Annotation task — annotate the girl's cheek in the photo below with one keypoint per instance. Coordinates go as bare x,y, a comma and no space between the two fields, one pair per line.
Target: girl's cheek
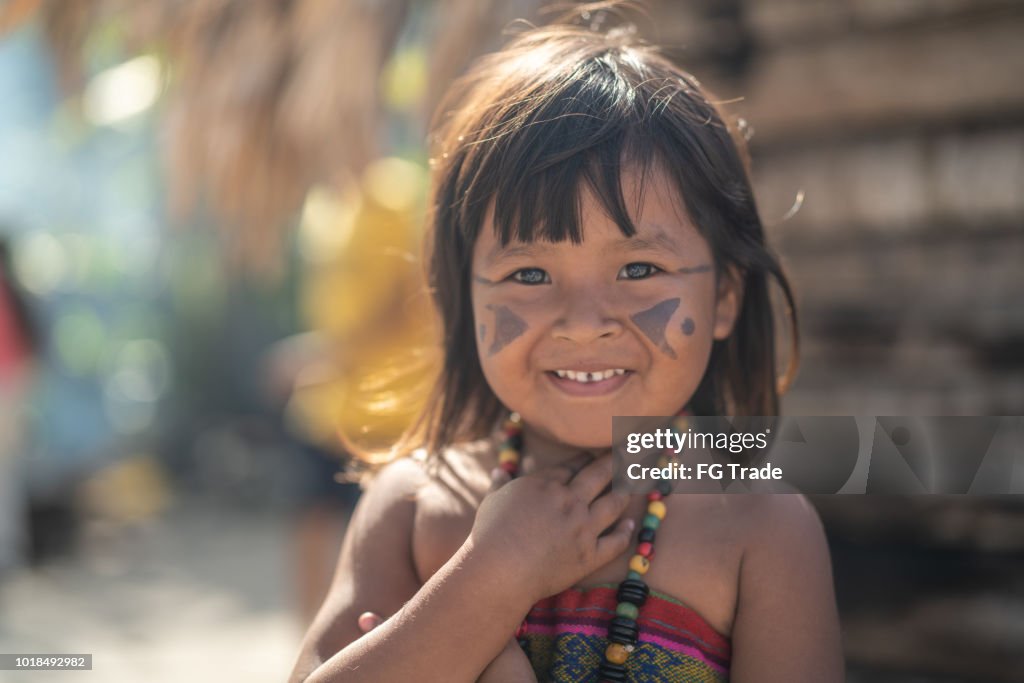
502,321
670,324
654,323
507,325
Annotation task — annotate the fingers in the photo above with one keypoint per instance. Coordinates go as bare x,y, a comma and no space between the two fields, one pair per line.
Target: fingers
614,543
579,461
606,509
368,621
592,479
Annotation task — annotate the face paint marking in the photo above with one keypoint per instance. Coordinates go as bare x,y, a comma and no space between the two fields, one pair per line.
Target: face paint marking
483,332
691,270
654,322
507,328
483,280
688,326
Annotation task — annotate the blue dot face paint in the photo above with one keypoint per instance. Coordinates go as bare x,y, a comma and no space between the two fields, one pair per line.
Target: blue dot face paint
691,270
483,332
653,322
507,328
689,326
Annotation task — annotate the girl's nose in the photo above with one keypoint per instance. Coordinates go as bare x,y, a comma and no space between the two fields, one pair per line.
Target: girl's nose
586,318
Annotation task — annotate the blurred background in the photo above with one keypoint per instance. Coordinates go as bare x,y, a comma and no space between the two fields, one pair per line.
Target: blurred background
209,243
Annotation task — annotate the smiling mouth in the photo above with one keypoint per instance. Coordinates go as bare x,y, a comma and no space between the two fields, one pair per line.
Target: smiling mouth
589,383
587,377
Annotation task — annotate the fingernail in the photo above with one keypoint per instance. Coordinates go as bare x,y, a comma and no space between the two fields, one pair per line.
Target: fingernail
369,621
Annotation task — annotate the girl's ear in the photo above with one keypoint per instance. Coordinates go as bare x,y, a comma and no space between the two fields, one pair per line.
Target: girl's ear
728,302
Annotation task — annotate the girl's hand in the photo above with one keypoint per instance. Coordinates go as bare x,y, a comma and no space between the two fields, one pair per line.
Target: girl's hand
542,532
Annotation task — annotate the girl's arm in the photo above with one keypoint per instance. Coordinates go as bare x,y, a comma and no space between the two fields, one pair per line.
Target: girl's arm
510,666
379,536
533,538
787,625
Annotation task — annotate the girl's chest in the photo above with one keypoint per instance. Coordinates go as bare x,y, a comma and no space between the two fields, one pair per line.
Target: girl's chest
697,551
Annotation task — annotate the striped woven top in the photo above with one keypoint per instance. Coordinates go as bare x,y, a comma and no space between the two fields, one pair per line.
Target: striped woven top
567,636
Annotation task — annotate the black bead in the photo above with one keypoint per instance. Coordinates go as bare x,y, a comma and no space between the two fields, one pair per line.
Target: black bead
612,672
633,591
664,487
516,441
646,536
623,631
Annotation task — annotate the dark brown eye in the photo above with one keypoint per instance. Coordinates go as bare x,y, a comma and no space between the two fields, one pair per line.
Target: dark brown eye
531,276
637,271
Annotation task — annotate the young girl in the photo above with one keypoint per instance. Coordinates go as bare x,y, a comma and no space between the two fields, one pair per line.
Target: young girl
596,251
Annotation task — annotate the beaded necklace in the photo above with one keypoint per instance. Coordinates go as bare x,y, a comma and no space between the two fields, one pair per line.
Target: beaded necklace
623,631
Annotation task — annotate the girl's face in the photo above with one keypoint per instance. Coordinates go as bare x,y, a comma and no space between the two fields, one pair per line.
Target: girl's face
570,335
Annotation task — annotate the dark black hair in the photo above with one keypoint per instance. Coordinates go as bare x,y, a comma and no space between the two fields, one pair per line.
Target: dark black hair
560,108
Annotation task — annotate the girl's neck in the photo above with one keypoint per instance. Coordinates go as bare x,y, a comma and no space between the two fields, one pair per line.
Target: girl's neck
541,451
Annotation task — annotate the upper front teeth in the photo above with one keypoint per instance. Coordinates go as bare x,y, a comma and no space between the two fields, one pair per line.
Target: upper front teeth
585,377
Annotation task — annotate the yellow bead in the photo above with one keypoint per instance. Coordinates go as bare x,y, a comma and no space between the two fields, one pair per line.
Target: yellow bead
639,564
656,508
617,654
508,455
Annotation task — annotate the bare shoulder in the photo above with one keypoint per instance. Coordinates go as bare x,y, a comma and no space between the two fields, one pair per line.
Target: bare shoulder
456,482
388,505
785,550
781,523
375,570
786,616
381,530
397,483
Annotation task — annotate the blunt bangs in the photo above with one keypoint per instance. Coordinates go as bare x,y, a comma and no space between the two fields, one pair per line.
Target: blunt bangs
596,105
592,112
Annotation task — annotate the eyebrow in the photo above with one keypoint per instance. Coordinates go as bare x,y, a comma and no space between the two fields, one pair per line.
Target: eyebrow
512,251
659,240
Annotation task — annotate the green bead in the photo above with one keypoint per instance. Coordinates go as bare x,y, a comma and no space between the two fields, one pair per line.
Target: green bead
634,575
628,610
650,522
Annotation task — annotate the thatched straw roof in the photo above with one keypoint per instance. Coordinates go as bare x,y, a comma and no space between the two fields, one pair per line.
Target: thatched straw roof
266,98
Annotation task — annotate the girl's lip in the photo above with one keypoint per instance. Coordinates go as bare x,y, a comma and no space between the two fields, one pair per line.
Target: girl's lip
598,388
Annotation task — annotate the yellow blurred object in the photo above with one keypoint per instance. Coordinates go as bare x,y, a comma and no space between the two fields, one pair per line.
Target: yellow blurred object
364,294
127,491
404,78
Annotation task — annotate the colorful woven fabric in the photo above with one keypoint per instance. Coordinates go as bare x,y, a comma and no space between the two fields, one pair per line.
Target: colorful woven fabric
566,636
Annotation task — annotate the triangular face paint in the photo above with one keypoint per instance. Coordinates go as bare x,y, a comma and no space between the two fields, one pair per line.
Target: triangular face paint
654,322
507,328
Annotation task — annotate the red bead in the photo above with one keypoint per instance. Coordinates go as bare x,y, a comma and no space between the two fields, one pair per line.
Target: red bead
645,549
510,467
654,495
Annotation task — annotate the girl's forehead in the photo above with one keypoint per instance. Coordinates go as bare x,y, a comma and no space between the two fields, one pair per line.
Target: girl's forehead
656,233
657,214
